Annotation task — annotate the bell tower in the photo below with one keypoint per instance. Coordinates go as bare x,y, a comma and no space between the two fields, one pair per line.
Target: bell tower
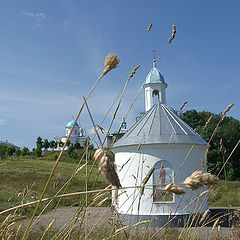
155,88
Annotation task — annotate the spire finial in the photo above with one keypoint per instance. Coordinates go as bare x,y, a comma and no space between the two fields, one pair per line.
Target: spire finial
154,57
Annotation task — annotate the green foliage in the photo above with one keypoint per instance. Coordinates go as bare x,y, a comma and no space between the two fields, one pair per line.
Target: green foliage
77,145
46,144
52,144
228,131
18,153
225,194
72,152
25,151
60,143
38,152
10,150
39,142
55,156
3,151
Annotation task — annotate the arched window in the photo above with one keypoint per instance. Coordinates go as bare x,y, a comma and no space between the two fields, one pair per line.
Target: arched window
163,174
155,95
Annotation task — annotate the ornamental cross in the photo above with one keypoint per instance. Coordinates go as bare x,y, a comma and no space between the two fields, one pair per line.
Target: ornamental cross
154,51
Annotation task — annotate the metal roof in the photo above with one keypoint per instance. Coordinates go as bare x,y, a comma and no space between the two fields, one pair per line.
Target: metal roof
70,124
159,125
154,76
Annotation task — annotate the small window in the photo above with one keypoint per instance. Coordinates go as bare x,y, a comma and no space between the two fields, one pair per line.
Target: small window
75,131
162,175
155,96
155,93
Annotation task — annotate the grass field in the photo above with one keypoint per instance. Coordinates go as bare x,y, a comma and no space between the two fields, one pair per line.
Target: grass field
26,176
22,180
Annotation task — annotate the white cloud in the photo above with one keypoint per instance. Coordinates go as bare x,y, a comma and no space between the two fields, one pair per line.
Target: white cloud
38,17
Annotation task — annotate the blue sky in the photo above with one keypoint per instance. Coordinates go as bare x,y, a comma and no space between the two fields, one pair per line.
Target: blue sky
51,53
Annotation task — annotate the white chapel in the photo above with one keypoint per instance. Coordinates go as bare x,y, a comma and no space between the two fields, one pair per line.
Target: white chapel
162,141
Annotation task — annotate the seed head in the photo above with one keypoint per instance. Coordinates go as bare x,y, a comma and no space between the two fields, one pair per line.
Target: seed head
173,188
173,34
134,71
107,167
183,106
111,62
208,121
149,27
226,110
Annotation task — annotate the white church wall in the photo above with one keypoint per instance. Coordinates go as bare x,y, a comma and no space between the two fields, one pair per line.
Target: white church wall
133,166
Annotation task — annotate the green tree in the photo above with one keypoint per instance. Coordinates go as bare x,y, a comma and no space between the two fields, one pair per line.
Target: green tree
68,143
70,150
52,144
39,143
46,144
56,144
3,151
77,145
18,152
10,150
38,152
60,143
228,131
25,151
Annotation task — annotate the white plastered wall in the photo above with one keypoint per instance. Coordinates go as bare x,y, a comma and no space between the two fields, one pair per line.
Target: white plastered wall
136,164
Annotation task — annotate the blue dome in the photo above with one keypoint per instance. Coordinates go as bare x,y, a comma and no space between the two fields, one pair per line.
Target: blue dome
70,124
154,76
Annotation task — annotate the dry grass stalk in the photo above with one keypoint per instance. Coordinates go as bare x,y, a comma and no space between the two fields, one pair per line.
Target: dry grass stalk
77,170
149,27
226,110
145,180
111,62
126,227
173,188
183,106
173,34
215,224
134,71
209,179
107,167
208,121
193,182
140,223
204,215
221,144
139,146
199,179
203,193
102,201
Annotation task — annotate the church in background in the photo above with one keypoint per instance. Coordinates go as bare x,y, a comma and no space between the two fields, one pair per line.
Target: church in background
78,135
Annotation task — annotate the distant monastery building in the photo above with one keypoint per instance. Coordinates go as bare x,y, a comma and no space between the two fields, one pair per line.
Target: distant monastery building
78,135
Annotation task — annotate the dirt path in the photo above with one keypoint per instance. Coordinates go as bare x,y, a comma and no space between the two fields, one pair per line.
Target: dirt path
100,218
97,217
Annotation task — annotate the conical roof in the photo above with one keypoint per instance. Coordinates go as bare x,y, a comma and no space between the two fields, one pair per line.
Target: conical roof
154,76
159,125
